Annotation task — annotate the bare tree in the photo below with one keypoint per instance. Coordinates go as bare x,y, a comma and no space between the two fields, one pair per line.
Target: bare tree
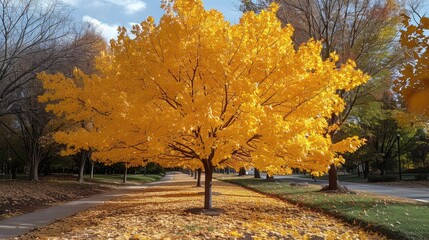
35,36
31,34
34,123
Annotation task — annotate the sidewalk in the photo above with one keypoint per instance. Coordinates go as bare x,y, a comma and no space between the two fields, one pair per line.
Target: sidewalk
22,224
418,194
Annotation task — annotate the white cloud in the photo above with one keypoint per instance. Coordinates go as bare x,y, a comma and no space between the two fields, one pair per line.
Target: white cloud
109,31
130,6
71,2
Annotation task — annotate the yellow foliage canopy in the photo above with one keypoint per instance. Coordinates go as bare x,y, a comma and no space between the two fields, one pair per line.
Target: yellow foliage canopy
414,82
195,90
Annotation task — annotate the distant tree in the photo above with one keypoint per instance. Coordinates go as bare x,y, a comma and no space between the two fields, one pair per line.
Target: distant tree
419,149
362,30
379,125
11,154
36,35
31,34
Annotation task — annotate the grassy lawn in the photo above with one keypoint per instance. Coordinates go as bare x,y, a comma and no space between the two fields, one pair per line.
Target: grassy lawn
399,219
118,178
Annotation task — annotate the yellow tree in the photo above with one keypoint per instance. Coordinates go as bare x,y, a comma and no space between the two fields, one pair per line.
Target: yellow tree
195,90
414,82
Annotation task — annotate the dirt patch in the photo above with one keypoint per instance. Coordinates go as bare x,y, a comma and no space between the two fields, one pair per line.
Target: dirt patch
208,212
341,189
213,193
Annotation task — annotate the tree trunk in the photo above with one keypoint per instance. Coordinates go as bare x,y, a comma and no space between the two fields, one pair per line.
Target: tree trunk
125,173
358,168
192,173
199,177
92,170
13,172
228,170
46,168
83,155
269,177
13,169
144,172
196,173
366,170
257,174
242,172
208,181
34,170
333,178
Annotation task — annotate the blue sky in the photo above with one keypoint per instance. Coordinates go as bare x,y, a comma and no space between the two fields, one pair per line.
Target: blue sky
107,15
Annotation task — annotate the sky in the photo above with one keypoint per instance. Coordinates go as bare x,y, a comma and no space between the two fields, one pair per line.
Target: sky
107,15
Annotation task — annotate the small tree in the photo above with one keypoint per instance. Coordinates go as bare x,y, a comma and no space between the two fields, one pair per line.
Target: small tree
380,123
420,149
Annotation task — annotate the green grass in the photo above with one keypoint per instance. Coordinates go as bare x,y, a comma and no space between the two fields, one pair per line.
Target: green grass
393,217
118,178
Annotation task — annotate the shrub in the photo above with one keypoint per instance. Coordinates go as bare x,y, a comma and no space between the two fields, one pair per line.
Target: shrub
421,177
153,168
379,178
417,170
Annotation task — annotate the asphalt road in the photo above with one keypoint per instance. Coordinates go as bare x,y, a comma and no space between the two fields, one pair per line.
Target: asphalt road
419,194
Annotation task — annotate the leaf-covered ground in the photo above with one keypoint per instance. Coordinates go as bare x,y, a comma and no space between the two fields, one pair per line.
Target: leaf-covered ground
160,212
22,196
398,218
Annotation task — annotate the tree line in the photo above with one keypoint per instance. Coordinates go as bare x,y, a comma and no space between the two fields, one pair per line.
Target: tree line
35,37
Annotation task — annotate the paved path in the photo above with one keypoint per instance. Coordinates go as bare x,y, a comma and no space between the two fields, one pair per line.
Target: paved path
419,194
22,224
